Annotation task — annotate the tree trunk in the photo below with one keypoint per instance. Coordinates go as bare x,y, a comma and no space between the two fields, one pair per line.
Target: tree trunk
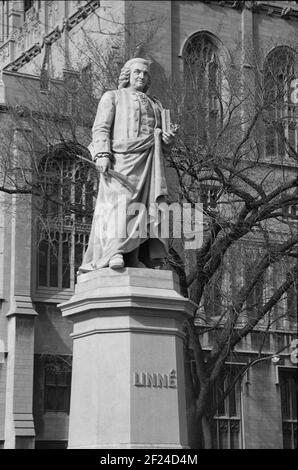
202,403
206,430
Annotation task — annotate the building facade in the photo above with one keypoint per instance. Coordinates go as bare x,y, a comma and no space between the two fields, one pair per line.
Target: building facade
42,42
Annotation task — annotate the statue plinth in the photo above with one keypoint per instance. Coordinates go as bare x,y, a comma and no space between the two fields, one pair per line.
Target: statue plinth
128,386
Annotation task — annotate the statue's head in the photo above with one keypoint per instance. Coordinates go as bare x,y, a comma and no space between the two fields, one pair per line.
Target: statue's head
135,73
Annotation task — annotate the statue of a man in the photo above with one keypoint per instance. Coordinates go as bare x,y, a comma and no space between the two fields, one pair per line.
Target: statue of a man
127,138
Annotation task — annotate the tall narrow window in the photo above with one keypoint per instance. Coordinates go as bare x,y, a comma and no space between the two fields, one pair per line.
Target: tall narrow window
4,18
70,188
57,386
202,88
292,301
227,423
1,21
213,296
86,77
288,396
281,136
255,298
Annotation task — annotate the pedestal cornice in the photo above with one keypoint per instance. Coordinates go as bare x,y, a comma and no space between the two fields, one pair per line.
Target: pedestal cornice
155,292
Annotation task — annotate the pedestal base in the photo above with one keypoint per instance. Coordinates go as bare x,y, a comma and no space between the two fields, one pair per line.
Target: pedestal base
128,388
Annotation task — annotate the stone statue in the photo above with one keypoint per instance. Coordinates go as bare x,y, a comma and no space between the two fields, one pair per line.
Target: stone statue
127,148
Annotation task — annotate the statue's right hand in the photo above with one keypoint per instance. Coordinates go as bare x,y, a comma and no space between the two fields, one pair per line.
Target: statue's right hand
103,164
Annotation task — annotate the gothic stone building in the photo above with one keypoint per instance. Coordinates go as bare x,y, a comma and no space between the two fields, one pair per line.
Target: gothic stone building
41,39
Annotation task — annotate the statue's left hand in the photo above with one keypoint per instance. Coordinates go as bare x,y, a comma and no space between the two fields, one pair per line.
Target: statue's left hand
168,137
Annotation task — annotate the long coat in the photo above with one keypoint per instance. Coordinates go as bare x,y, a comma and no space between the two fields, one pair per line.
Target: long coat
124,220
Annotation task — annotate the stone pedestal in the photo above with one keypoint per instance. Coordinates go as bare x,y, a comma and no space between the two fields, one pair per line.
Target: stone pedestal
128,387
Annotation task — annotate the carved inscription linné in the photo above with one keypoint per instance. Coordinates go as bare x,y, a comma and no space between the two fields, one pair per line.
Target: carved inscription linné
155,380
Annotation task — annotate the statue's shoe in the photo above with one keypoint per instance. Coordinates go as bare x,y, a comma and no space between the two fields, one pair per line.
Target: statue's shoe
141,265
116,262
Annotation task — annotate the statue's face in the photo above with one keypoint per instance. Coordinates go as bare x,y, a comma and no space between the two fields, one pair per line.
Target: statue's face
139,76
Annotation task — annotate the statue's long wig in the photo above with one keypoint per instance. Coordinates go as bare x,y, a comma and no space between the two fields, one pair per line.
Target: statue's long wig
124,77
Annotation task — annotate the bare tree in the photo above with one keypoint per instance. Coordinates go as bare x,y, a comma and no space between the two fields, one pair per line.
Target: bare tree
232,127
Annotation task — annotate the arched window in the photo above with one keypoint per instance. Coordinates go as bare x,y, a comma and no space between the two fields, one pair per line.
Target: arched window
69,187
202,87
281,118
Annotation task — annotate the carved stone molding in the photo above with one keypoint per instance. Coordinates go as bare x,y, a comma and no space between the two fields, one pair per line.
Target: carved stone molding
288,12
32,28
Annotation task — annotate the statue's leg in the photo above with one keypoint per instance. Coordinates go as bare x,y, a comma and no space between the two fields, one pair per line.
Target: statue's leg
132,258
144,255
157,263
